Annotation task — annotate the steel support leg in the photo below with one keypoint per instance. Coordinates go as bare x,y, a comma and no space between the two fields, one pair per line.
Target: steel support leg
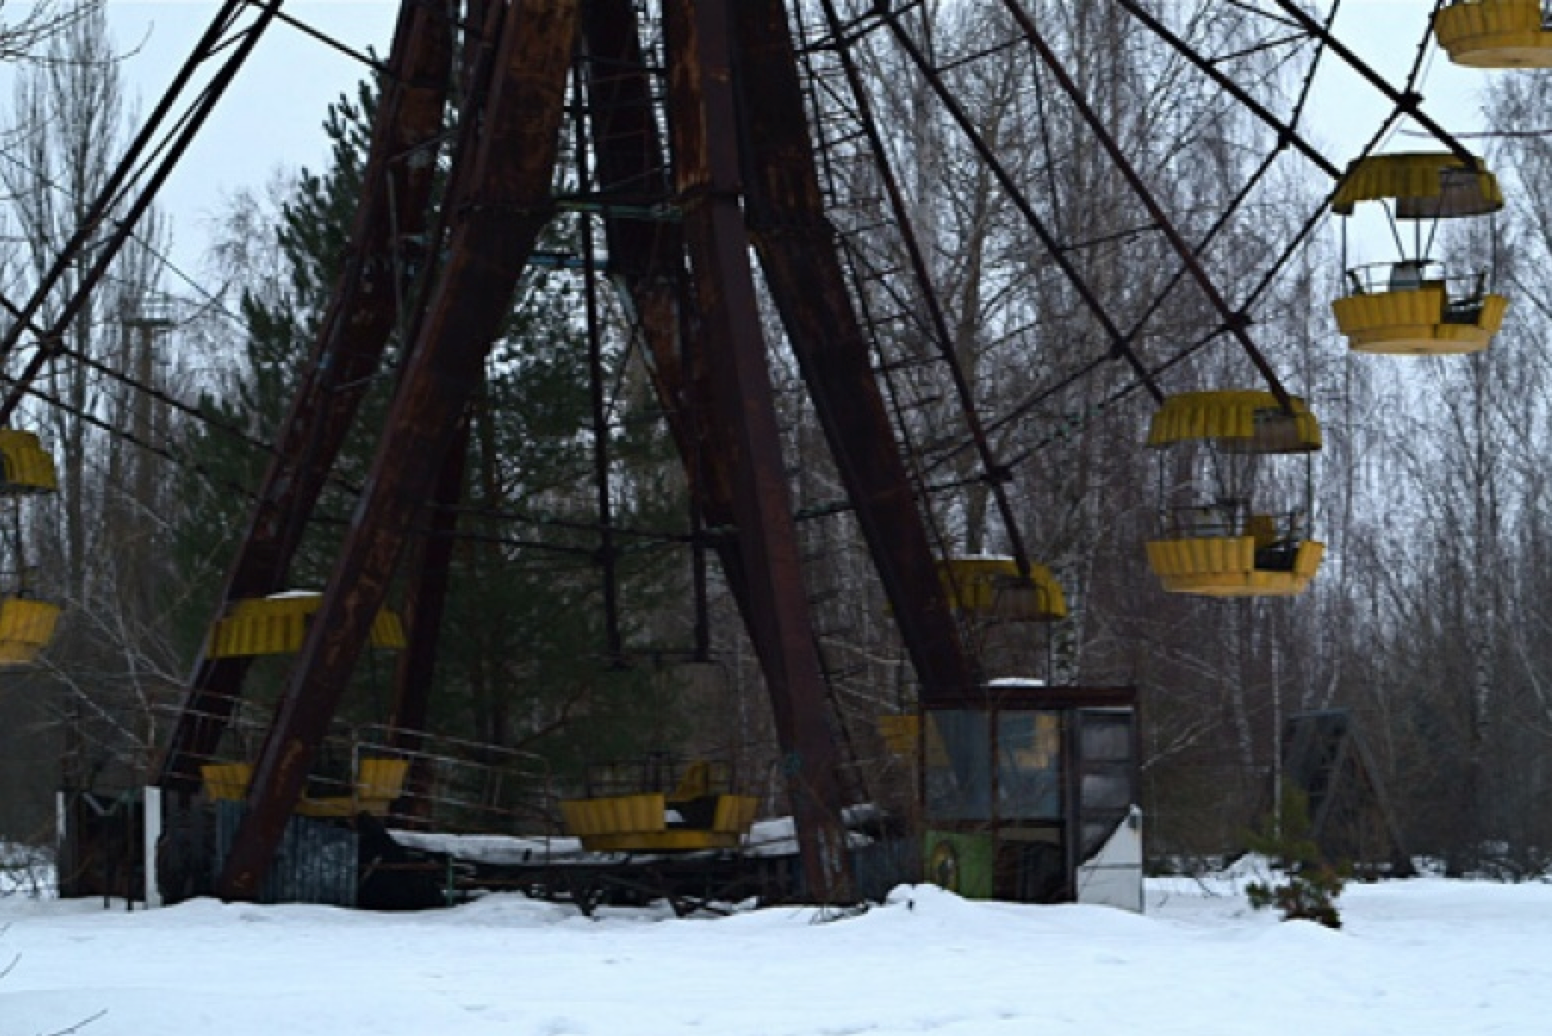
798,253
397,181
705,146
500,200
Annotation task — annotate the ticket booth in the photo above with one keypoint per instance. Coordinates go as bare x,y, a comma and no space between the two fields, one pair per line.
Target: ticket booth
1032,795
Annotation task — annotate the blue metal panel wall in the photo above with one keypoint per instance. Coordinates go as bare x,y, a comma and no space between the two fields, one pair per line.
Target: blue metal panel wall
315,862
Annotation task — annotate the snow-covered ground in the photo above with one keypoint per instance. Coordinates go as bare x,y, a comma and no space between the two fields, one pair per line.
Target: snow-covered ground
1419,957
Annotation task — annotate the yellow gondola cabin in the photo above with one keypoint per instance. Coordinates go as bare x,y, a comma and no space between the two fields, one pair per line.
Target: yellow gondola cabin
1232,523
26,624
277,625
1496,33
1415,304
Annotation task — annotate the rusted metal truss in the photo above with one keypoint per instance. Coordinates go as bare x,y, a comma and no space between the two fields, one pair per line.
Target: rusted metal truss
386,244
737,171
498,201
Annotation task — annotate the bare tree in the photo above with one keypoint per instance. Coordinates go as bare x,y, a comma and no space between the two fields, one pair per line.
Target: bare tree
25,38
92,542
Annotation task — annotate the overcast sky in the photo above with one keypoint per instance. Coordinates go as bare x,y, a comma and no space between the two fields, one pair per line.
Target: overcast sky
271,118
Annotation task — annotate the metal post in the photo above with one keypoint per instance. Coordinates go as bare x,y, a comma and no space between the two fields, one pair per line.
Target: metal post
500,201
355,329
705,147
151,820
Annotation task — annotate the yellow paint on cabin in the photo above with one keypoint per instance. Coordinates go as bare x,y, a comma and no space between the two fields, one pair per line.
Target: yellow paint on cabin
277,625
1494,34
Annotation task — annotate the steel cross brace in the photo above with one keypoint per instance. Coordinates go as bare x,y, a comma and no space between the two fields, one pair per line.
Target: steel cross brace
1234,321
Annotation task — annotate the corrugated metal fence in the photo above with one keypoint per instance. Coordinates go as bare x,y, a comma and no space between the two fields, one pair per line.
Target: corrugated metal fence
315,863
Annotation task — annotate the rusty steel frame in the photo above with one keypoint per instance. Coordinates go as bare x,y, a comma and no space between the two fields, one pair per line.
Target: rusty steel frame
798,253
690,283
742,175
397,182
499,200
704,135
994,472
646,261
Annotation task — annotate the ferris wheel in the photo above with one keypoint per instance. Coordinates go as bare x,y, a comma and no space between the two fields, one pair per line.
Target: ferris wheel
982,229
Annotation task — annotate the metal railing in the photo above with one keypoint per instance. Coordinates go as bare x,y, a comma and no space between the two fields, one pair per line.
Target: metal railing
1460,289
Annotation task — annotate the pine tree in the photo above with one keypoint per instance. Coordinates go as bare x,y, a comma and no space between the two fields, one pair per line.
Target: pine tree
1310,885
525,660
